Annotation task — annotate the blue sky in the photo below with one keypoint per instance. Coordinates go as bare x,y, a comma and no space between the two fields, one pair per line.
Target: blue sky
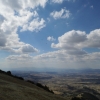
49,34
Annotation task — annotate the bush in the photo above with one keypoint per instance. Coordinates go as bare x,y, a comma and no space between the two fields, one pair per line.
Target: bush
30,81
39,85
44,87
18,77
2,71
9,73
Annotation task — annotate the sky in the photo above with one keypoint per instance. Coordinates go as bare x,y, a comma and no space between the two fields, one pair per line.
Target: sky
49,34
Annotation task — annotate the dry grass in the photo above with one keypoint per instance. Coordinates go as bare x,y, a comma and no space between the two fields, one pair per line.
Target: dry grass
15,89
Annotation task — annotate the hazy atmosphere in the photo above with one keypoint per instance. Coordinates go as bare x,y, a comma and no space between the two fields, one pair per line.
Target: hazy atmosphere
49,34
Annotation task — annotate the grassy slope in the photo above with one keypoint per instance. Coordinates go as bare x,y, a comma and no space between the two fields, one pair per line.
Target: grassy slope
15,89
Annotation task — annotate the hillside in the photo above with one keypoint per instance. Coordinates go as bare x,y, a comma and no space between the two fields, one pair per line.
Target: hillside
15,89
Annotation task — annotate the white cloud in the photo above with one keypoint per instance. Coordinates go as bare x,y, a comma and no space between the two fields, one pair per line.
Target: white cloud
78,39
57,59
22,57
63,13
93,39
69,55
35,25
15,14
57,1
51,38
21,4
28,49
19,61
69,59
23,49
70,40
61,1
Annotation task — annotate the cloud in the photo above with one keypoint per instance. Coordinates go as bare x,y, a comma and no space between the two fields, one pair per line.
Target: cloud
57,1
51,38
93,39
15,14
27,20
70,52
35,25
22,4
70,40
57,59
61,56
28,49
22,57
24,49
78,40
63,13
61,1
